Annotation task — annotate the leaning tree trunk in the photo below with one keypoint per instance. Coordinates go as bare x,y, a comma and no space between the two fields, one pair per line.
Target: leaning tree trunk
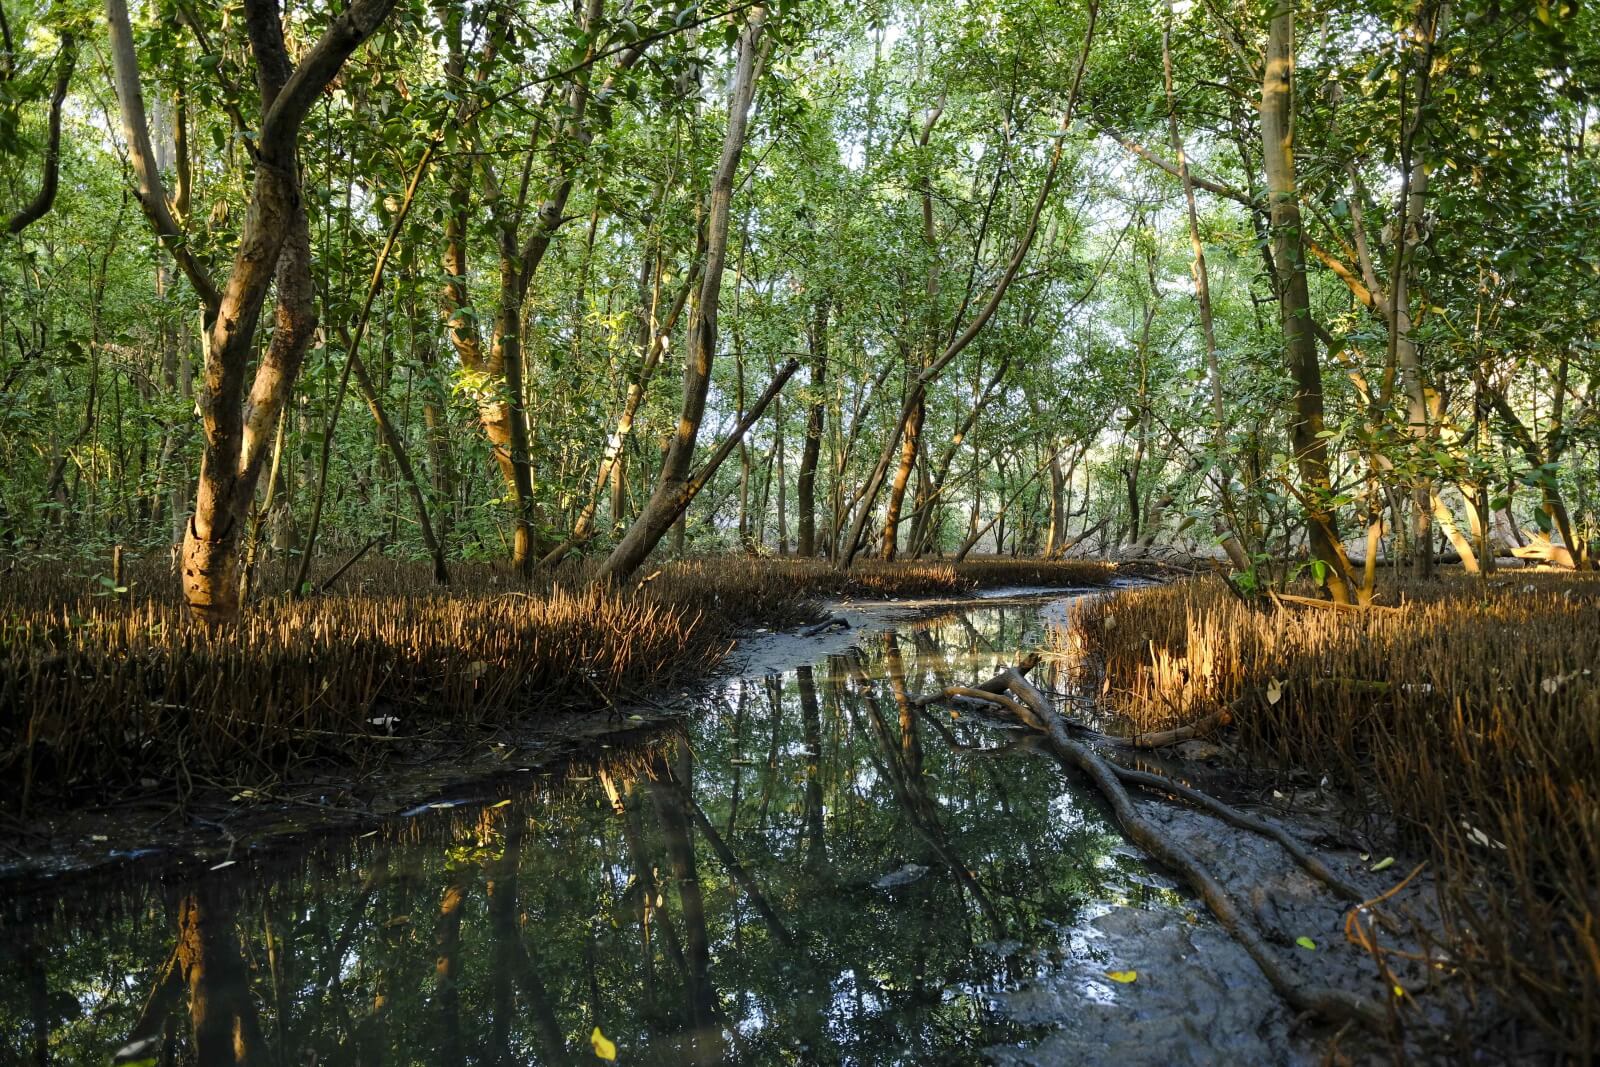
910,441
674,485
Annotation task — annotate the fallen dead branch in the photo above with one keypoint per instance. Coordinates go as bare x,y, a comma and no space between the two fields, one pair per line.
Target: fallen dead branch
1333,1004
1178,734
997,686
1244,821
1290,600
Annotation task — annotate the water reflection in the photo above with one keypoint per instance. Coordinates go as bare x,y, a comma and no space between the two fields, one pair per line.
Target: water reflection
819,869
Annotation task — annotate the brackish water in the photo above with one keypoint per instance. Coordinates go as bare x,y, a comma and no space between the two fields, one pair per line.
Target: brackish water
813,871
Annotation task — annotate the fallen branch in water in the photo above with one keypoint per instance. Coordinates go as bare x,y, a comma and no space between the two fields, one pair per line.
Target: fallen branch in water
1329,1003
983,690
995,688
830,623
998,699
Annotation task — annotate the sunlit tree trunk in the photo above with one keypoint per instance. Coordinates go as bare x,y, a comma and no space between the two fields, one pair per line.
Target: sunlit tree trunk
274,241
222,1010
447,971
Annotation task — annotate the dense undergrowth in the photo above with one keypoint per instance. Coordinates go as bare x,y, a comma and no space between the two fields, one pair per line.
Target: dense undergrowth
1469,713
105,696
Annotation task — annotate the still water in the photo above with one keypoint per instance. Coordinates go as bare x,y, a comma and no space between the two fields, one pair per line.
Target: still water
814,870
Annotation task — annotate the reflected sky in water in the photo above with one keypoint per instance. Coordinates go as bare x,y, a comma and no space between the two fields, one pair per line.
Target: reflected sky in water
815,870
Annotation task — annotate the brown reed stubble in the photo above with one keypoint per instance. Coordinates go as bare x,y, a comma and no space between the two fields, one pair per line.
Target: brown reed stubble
1470,716
104,697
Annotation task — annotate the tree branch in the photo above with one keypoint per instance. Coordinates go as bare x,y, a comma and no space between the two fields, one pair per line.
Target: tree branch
41,203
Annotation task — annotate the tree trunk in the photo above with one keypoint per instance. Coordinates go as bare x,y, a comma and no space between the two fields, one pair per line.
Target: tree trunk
1294,298
816,413
910,437
1056,535
674,487
275,239
222,1011
508,429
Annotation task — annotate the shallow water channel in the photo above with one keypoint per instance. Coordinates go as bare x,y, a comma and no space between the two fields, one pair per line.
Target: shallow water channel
813,871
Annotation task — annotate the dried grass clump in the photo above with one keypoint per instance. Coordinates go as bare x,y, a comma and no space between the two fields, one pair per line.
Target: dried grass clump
1471,711
105,696
102,699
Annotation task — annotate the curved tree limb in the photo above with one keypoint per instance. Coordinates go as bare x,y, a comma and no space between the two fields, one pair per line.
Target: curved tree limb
152,196
36,208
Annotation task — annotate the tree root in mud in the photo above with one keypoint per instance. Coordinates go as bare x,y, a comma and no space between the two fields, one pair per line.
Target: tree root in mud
1012,692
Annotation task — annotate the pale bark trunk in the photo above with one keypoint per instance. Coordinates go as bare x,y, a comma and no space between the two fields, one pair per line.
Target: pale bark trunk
136,132
674,486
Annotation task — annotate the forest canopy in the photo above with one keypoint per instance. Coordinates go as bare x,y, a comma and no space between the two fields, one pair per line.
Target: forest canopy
1294,285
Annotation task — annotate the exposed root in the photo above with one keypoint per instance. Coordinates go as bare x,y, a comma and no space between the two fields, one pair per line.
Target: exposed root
1244,821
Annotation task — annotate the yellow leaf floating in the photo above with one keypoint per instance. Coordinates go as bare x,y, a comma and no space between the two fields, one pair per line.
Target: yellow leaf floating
1306,942
604,1047
1123,976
